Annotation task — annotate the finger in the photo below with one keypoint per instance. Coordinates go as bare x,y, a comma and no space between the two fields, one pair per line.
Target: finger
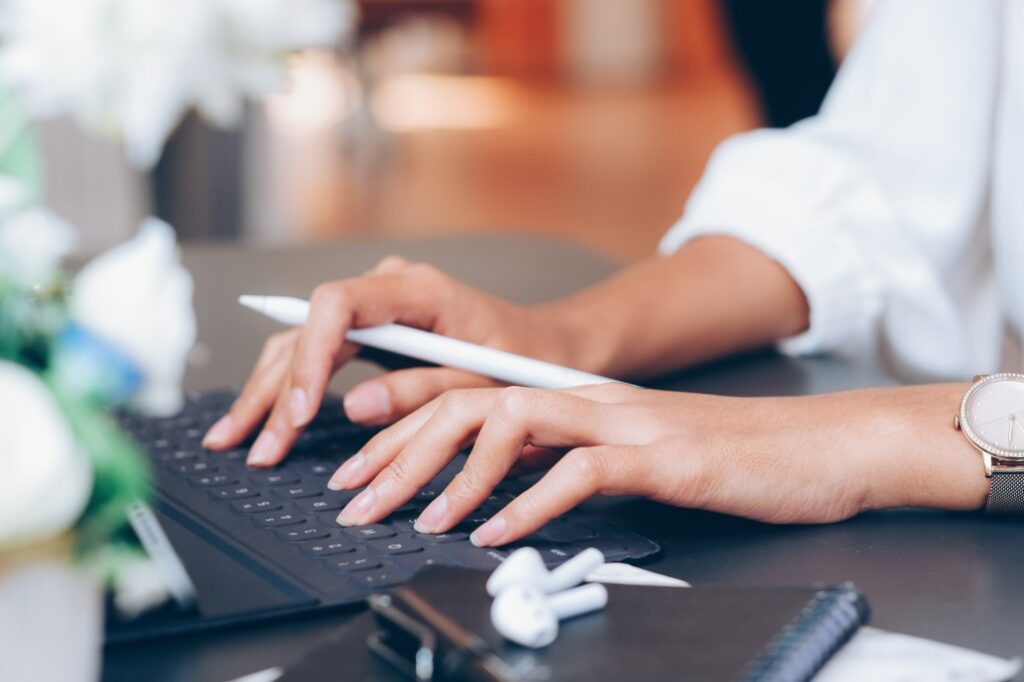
380,450
582,473
258,395
534,459
278,434
413,296
456,418
520,416
390,264
394,395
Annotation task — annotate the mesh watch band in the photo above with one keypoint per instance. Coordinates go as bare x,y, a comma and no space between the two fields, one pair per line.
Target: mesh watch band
1005,493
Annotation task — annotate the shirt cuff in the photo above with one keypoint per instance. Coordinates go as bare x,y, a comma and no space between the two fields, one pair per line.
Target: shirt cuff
843,291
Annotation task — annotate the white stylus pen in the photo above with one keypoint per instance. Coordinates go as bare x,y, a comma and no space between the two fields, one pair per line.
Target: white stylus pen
440,350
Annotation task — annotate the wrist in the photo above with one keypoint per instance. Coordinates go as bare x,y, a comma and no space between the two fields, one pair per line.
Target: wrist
923,460
572,337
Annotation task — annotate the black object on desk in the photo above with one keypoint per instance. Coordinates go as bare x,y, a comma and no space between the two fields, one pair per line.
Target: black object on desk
645,633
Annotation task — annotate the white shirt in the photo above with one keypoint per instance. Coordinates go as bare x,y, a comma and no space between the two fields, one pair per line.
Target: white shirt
899,208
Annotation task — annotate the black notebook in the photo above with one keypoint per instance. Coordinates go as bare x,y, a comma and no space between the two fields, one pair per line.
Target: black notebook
645,633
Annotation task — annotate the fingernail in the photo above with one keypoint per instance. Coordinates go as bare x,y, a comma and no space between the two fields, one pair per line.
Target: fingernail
218,433
489,533
298,407
432,516
357,508
262,450
368,403
344,476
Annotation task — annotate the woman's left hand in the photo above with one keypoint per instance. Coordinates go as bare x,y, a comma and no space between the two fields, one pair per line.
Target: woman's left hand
808,459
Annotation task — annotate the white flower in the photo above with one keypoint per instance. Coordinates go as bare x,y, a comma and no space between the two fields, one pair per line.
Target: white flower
32,241
133,68
138,297
39,460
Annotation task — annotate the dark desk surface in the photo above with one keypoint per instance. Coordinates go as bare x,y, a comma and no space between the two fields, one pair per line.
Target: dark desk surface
950,577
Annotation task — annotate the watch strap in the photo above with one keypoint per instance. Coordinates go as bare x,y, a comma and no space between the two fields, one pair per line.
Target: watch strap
1005,493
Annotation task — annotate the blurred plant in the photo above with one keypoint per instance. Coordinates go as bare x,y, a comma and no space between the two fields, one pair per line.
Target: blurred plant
114,336
131,69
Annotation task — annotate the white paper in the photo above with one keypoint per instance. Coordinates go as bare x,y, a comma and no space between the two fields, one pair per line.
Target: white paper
882,656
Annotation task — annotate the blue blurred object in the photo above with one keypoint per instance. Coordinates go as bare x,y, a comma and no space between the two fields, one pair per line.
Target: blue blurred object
87,365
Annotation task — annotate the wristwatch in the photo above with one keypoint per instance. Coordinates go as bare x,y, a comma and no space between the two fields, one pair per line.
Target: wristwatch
992,418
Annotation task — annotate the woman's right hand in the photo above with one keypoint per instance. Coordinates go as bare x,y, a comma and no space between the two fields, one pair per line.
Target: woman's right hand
291,375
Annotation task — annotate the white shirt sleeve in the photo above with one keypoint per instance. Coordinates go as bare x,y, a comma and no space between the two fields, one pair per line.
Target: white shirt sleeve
869,204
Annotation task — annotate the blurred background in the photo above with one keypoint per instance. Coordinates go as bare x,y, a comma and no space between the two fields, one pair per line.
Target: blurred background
584,120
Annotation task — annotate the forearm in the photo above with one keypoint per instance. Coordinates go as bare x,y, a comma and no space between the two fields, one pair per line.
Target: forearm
714,296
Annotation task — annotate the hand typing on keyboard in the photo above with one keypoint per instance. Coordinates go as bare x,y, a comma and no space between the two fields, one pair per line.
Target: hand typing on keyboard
782,460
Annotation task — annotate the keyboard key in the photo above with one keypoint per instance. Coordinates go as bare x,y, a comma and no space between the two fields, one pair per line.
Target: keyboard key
319,505
327,548
351,563
257,505
191,467
404,523
395,546
234,492
379,579
177,455
275,520
305,533
371,532
321,469
204,480
295,492
275,478
444,538
476,557
416,561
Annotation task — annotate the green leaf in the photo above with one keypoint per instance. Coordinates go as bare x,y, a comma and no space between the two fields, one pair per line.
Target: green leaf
121,474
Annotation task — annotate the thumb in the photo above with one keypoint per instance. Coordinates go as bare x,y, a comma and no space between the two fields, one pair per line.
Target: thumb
390,397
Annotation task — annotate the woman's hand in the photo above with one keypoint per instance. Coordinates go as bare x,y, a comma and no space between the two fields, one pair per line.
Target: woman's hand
782,460
652,317
292,373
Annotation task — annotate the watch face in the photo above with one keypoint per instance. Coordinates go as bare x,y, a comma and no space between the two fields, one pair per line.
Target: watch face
992,415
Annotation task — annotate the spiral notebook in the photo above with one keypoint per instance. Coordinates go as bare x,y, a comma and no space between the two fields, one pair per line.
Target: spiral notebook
646,633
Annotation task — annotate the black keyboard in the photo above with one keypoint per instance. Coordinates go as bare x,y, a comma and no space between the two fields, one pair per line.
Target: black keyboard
285,516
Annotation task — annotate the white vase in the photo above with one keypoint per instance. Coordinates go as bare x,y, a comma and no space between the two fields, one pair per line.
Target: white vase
51,618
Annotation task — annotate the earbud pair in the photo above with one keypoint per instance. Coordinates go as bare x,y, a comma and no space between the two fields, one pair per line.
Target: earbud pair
530,600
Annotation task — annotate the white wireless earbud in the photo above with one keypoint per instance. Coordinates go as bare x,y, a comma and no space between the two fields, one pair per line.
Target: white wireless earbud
574,571
525,566
525,615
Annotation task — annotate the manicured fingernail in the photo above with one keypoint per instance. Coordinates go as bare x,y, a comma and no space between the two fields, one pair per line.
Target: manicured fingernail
368,403
344,476
489,533
262,450
358,508
298,407
432,516
218,433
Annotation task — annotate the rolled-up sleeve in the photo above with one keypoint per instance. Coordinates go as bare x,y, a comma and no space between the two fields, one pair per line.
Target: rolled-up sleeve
868,204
